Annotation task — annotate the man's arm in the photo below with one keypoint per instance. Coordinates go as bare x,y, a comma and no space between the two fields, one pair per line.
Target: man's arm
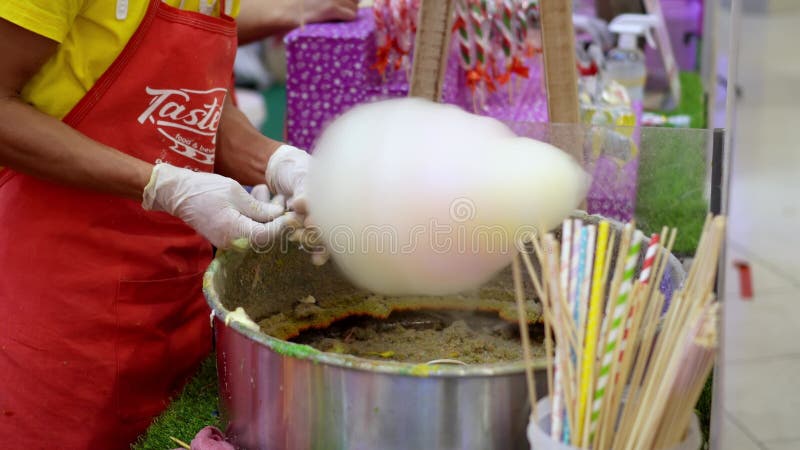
242,151
258,18
37,144
251,158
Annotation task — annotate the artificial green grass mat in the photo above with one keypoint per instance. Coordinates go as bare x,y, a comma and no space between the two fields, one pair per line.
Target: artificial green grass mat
693,100
195,408
703,409
671,185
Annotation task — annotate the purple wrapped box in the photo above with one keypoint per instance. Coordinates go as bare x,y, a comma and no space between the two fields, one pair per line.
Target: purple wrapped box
613,190
328,71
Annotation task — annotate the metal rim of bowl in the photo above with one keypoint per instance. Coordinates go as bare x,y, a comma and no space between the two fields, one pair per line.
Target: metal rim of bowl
302,351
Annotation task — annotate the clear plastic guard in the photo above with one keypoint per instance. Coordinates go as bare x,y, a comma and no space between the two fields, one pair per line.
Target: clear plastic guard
655,176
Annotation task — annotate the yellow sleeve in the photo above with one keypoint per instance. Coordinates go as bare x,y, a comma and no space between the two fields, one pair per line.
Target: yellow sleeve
49,18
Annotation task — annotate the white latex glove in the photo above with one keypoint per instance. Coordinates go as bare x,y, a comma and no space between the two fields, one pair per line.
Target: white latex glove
261,193
306,235
286,176
217,207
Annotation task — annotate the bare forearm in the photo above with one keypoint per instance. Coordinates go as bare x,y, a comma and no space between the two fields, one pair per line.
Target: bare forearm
259,19
242,151
34,143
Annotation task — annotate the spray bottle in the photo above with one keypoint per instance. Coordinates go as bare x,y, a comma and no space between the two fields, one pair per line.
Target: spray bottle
625,63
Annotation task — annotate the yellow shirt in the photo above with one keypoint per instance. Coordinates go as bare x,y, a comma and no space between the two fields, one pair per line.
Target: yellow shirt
90,37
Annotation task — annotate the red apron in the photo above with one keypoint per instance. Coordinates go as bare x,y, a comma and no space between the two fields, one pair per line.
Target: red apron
101,312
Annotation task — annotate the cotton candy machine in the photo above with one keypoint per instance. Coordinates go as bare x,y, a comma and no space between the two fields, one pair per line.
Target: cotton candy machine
278,393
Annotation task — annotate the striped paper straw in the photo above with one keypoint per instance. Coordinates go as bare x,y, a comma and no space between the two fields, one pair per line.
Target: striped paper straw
649,259
615,326
577,263
594,313
576,269
644,277
556,425
586,280
566,246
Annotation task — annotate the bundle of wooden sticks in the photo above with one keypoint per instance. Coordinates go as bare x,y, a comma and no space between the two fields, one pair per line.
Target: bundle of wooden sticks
622,373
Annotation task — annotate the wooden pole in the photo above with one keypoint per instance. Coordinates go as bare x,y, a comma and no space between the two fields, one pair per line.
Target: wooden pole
431,49
558,45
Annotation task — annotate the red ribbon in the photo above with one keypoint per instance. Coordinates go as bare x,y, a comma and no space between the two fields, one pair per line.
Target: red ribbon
504,78
478,74
517,67
473,78
382,57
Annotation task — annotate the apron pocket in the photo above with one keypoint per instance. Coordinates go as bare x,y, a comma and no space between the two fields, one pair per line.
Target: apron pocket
162,334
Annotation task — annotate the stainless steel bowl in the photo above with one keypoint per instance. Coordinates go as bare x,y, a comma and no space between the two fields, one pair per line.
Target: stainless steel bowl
278,395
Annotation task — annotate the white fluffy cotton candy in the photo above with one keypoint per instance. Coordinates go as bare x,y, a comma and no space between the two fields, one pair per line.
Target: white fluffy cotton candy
419,198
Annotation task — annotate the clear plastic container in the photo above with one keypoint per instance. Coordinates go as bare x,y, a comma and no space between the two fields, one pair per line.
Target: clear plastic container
541,440
627,67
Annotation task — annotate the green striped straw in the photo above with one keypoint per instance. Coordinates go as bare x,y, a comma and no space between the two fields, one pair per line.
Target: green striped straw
615,328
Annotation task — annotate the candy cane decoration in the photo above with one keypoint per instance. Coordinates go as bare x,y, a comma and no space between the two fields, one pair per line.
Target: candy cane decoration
382,44
480,26
505,32
466,49
521,23
406,35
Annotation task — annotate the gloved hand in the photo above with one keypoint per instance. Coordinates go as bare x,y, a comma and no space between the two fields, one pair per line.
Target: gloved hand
217,207
286,176
307,235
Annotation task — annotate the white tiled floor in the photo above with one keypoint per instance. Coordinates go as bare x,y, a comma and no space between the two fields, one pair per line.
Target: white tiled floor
735,438
761,371
759,398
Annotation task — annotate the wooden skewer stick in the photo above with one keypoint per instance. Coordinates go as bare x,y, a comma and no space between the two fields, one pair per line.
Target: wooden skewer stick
180,442
687,386
523,331
570,387
564,331
675,343
638,303
658,389
655,302
548,318
566,319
